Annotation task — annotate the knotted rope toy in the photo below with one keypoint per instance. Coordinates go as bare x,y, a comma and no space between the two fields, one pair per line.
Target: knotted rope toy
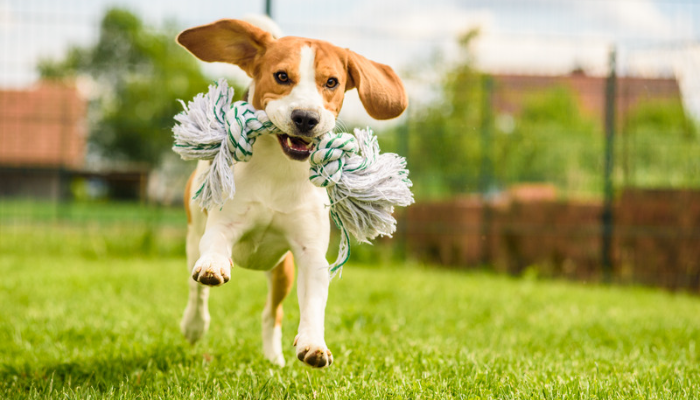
363,185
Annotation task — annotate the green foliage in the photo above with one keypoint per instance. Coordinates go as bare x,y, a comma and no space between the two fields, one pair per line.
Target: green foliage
659,146
451,142
95,229
138,75
664,116
551,141
454,139
444,148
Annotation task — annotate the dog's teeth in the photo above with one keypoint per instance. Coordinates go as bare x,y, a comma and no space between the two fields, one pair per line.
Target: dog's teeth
289,142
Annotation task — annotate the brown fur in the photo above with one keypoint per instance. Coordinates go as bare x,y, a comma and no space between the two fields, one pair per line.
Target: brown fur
380,90
226,40
186,199
282,280
261,56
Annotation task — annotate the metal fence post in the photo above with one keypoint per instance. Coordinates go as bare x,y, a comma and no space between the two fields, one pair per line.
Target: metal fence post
486,172
268,8
607,216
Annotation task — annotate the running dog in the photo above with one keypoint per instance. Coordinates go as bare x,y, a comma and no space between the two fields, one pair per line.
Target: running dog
278,217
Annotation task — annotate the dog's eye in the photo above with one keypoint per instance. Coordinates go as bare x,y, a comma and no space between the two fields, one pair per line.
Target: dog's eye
281,77
331,83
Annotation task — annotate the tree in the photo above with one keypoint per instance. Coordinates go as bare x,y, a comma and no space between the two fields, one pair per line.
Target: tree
660,145
444,138
552,141
549,140
138,75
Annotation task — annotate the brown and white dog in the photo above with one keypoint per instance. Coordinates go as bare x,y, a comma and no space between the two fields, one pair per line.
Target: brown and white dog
278,216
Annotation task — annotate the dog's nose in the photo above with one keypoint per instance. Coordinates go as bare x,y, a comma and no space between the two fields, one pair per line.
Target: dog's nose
305,120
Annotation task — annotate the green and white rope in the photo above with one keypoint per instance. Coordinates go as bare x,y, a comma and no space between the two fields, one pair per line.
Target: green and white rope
363,185
211,128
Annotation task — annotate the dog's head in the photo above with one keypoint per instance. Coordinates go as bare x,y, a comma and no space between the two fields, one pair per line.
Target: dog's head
300,83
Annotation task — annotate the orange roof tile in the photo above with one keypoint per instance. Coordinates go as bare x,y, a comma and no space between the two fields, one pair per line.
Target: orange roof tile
43,127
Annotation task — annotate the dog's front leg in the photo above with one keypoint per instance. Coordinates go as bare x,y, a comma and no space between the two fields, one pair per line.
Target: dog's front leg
195,320
312,289
214,265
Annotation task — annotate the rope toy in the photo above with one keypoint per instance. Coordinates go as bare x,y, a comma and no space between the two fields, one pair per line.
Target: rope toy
363,185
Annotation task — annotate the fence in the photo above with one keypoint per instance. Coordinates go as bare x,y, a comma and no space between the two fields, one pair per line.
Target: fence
653,242
591,173
620,163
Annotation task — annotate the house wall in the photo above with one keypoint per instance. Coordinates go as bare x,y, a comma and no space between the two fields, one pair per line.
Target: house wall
42,127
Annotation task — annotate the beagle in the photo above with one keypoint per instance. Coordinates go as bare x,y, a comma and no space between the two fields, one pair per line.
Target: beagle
278,217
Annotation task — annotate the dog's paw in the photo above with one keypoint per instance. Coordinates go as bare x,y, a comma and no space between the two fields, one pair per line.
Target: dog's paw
315,355
275,358
272,342
194,324
212,270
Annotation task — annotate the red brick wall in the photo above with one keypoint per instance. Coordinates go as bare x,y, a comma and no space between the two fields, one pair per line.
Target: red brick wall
42,127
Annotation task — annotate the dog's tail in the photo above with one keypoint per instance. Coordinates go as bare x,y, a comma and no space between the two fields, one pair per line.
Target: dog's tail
265,23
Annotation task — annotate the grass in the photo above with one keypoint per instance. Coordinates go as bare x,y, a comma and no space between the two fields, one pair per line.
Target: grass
21,211
92,312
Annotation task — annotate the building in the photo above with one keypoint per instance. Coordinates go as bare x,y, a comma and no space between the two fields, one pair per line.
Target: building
509,90
43,142
42,139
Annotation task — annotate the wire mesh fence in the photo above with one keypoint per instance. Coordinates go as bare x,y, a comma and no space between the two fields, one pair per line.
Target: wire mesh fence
508,160
588,177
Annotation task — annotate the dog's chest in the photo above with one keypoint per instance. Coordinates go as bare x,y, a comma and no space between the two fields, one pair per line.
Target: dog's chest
272,183
273,199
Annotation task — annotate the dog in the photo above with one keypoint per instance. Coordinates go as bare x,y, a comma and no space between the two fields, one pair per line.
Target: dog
277,216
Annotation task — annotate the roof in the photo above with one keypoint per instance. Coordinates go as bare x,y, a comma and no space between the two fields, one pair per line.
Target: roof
44,126
589,90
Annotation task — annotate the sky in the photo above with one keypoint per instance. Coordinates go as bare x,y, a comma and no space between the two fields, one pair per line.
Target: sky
652,37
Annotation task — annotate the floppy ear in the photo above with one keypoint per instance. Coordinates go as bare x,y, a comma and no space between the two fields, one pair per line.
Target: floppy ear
227,40
381,91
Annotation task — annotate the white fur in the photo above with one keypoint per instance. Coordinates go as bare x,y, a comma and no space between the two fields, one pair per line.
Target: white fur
271,333
195,320
276,209
304,96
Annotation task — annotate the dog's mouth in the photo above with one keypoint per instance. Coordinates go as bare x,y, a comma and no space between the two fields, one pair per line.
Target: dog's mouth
296,148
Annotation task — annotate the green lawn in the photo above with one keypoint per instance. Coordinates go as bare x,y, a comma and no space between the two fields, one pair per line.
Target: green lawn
88,320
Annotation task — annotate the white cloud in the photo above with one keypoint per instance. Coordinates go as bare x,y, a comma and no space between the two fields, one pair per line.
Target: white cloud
534,36
436,22
536,55
628,18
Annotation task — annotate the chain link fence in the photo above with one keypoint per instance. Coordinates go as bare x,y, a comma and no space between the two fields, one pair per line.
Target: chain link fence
590,172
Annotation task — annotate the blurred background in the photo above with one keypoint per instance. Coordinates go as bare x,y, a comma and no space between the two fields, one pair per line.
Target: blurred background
544,138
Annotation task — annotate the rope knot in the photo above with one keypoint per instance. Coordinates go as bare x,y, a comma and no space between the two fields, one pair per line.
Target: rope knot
244,125
329,158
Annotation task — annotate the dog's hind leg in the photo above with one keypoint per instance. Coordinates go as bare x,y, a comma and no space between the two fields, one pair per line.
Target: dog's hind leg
279,282
195,320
